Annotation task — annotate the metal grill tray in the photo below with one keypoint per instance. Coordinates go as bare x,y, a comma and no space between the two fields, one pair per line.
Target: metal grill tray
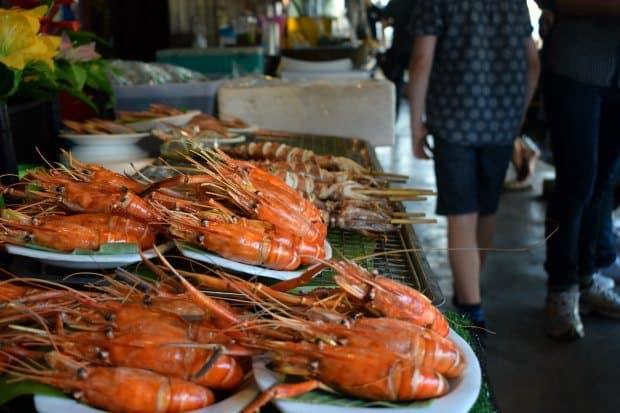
400,255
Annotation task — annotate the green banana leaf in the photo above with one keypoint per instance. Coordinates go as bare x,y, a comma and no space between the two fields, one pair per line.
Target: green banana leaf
120,248
10,390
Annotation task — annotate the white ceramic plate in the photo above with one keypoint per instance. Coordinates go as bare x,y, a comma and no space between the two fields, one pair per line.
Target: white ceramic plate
244,130
83,261
195,253
235,403
225,141
177,120
104,139
462,396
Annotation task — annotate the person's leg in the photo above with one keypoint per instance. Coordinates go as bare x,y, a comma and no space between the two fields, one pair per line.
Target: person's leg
464,258
455,170
485,231
491,172
606,254
598,211
573,114
594,296
394,71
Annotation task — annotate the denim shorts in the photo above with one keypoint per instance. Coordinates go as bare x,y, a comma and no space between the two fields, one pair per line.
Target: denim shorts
469,178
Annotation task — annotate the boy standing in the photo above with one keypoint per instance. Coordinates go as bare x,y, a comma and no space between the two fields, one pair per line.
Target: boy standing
473,73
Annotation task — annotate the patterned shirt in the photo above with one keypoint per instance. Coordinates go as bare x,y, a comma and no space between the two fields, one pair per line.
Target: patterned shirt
477,86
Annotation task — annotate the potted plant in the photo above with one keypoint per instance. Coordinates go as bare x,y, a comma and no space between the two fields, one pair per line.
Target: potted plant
83,85
26,66
44,76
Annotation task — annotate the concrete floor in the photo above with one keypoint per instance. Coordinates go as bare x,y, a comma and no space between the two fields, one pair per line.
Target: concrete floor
529,372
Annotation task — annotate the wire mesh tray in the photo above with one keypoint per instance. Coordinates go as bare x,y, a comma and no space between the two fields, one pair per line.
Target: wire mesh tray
397,254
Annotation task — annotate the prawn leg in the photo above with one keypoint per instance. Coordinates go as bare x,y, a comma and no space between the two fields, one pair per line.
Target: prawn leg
281,391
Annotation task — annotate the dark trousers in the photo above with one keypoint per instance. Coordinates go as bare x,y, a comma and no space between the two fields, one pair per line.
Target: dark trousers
584,122
606,247
394,66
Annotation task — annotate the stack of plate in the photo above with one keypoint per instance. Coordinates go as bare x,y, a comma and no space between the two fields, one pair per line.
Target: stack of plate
104,149
112,149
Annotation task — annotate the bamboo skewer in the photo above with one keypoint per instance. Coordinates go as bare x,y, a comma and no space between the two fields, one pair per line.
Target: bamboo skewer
407,198
390,179
412,221
381,173
408,214
394,191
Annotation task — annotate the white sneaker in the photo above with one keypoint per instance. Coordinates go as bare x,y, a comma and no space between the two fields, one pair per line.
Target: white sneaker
604,281
601,300
612,271
562,315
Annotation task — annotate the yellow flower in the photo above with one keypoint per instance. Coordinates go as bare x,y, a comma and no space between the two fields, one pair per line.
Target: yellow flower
20,42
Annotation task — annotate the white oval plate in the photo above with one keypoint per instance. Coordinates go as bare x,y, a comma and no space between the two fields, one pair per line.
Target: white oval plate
249,129
235,403
83,261
104,139
177,120
462,396
224,141
195,253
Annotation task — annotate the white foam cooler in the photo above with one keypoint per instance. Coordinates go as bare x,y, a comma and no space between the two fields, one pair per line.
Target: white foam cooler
338,107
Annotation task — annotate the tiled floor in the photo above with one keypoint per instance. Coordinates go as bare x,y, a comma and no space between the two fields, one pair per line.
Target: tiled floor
528,371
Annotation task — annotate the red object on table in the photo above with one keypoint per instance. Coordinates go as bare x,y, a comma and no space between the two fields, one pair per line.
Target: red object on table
72,108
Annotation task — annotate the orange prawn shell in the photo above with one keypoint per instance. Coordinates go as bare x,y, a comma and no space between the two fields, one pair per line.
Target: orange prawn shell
361,372
388,297
139,391
146,352
90,231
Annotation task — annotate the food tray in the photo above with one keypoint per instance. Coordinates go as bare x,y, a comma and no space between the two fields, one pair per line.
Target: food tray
409,267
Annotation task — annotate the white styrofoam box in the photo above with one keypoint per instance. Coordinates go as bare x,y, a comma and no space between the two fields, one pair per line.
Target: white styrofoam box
362,109
295,65
352,74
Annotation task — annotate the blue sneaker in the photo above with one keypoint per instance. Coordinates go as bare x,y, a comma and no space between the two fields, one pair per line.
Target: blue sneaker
473,311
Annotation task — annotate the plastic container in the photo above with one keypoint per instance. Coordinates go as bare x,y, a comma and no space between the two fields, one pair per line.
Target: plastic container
238,61
200,96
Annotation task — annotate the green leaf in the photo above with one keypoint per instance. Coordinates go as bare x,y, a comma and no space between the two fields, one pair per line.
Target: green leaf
335,399
81,37
120,248
24,168
9,81
9,391
73,74
97,78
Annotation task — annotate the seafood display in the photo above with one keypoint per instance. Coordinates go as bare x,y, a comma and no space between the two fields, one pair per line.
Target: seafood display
233,209
95,126
201,127
282,152
156,110
370,338
113,349
353,198
175,336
